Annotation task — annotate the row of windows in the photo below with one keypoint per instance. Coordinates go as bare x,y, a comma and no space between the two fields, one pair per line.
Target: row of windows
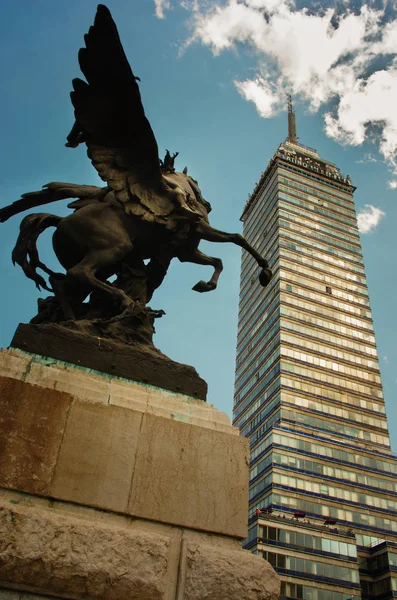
318,190
302,200
311,567
341,272
303,592
266,365
318,391
335,427
330,351
246,429
296,223
306,217
324,299
332,492
258,308
324,470
326,258
325,393
326,511
260,486
317,376
274,418
326,324
313,487
257,369
316,198
336,411
312,234
340,279
307,541
268,191
319,246
331,452
262,447
293,277
315,406
312,359
325,312
252,395
331,339
256,343
242,419
257,346
267,216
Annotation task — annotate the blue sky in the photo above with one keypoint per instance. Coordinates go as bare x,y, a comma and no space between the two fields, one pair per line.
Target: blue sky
214,77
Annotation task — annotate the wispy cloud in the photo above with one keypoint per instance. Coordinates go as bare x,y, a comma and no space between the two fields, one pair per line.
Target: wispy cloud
341,57
369,218
367,158
161,6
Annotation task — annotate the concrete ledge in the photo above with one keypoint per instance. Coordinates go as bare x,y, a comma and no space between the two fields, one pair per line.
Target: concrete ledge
77,553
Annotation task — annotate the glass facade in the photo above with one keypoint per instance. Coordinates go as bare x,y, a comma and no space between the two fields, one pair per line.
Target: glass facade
308,392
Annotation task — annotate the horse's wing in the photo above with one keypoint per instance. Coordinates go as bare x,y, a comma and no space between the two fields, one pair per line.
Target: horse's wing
108,108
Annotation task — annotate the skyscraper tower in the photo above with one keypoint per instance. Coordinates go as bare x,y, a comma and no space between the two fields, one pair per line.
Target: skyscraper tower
308,393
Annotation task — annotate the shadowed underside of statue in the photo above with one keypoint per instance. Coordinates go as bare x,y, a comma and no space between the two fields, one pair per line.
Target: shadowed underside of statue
129,230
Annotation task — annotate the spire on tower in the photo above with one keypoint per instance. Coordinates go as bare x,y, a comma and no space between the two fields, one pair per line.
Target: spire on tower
292,137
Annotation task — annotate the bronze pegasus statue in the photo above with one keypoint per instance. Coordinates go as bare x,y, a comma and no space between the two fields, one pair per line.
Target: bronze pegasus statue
131,229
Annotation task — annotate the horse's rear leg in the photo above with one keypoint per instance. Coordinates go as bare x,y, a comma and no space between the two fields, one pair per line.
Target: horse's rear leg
199,258
85,272
67,292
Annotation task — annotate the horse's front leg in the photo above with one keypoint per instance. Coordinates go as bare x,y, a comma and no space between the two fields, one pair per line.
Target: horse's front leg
198,258
208,233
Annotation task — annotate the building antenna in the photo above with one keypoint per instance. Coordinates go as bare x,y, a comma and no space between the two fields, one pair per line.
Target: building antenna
292,137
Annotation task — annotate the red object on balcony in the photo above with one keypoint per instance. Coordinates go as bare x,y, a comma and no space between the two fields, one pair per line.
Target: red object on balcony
299,514
329,522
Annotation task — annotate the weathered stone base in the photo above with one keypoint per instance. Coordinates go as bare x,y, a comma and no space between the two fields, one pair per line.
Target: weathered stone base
79,553
119,491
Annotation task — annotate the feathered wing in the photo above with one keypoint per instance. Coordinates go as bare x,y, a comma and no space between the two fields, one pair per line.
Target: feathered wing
119,138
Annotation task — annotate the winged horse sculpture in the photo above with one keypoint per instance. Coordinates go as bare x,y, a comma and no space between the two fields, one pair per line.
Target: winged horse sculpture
146,215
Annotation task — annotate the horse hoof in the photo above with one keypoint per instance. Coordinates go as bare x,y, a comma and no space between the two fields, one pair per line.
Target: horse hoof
203,286
265,277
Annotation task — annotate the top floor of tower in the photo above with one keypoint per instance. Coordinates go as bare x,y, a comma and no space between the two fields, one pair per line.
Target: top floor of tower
302,159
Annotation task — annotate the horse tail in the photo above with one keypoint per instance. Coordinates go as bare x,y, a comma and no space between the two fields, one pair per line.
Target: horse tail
25,253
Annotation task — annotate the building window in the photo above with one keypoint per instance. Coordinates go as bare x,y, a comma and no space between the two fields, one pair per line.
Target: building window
289,287
328,289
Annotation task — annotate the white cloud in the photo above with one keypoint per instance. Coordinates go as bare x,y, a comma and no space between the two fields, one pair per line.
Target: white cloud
392,184
161,6
262,93
369,218
346,59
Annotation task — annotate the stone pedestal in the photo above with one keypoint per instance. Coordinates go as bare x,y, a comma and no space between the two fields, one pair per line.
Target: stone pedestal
111,489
